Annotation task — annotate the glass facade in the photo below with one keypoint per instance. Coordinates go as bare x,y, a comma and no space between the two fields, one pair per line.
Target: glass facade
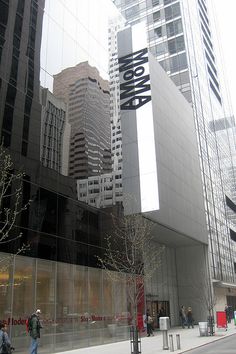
80,305
58,272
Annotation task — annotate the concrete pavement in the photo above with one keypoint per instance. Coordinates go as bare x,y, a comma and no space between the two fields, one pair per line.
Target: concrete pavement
189,339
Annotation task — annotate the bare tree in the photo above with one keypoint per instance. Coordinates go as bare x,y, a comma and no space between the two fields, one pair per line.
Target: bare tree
131,255
10,205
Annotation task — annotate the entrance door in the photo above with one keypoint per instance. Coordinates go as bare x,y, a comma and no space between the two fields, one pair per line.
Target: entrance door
158,309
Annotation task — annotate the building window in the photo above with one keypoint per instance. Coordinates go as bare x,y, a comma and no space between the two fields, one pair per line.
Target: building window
14,69
158,32
160,49
155,2
26,127
180,78
28,104
156,16
172,11
166,2
11,95
8,118
20,7
18,25
4,12
24,148
176,45
132,11
174,28
178,63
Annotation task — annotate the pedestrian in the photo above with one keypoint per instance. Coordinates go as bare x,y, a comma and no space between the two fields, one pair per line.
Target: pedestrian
189,316
161,313
149,323
34,331
228,313
5,343
182,315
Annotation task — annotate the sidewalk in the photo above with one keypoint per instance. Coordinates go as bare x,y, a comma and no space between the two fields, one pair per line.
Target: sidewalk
189,339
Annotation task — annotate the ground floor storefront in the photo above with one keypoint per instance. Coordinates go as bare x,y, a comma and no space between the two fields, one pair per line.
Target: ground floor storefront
81,306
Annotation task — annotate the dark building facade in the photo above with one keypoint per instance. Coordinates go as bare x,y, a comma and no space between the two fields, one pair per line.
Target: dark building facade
21,27
58,271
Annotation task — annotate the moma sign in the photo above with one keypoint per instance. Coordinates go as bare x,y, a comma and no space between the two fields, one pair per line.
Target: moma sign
139,174
135,85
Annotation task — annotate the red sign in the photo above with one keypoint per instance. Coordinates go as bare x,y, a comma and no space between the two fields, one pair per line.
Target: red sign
140,322
221,320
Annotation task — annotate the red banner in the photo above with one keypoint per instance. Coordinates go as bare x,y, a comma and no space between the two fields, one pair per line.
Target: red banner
221,320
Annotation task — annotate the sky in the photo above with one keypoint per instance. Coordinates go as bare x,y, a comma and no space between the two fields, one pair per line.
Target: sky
225,19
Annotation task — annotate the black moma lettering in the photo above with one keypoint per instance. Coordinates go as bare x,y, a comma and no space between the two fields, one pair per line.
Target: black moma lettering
134,83
132,60
134,87
129,74
135,102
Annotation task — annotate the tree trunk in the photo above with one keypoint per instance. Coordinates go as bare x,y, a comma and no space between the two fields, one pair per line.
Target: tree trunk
134,340
135,334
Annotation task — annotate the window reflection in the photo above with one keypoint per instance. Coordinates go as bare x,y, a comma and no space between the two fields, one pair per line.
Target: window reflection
59,271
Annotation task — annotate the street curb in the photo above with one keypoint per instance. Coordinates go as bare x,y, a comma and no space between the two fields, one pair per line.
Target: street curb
204,344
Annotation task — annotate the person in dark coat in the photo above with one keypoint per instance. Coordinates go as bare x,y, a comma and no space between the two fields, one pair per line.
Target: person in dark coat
189,316
182,315
149,323
4,339
34,331
228,313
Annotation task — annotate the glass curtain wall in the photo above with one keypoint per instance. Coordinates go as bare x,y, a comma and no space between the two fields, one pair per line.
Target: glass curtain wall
80,305
58,272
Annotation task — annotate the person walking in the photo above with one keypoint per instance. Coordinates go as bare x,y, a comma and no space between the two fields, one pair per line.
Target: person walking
228,313
2,339
149,323
34,331
189,317
161,313
5,343
182,315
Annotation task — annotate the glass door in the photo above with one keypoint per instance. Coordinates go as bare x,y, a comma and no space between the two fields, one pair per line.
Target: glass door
158,309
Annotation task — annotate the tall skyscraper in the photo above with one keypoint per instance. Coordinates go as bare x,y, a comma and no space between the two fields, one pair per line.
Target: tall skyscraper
21,28
115,24
180,37
87,96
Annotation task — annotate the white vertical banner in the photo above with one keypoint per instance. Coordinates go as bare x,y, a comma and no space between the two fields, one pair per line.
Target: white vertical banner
135,95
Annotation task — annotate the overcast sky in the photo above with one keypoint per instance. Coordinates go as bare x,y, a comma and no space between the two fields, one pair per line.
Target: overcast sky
225,18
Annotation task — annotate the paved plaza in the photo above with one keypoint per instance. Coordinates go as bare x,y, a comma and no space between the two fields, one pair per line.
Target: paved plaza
189,338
